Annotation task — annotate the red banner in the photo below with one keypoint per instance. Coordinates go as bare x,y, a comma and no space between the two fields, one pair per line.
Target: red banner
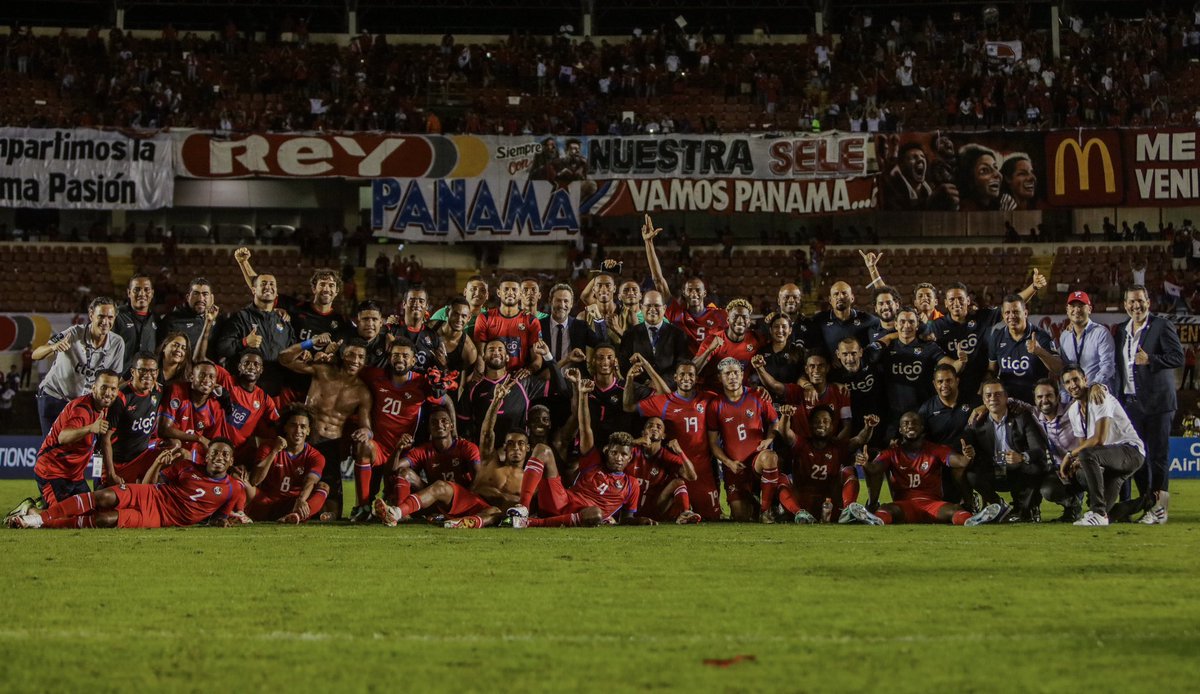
1163,167
1086,168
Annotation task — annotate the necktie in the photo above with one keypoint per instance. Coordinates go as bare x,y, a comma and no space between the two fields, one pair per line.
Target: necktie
653,338
558,343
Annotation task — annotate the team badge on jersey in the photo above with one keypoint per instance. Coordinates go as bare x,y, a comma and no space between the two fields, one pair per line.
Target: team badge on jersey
175,403
216,491
700,408
750,413
924,466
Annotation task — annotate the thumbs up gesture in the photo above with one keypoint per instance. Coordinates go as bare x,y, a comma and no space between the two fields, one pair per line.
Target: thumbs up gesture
1141,358
968,450
253,339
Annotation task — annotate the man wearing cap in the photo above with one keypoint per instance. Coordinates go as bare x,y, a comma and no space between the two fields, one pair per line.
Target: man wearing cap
1087,343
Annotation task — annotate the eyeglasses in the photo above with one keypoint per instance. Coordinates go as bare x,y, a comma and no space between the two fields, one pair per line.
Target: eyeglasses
151,370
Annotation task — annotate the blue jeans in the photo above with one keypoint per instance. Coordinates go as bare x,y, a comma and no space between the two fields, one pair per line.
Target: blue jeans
48,410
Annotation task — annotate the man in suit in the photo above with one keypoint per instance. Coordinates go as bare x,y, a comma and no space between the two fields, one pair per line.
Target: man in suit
1009,450
564,333
1148,352
662,344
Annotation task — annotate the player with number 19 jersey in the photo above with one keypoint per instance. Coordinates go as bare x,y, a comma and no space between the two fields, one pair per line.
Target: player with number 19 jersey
685,422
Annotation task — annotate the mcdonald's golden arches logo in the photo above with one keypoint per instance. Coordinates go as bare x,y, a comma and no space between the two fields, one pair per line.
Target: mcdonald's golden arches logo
1086,167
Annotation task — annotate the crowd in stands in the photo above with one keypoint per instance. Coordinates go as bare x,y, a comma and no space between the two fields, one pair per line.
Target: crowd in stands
886,73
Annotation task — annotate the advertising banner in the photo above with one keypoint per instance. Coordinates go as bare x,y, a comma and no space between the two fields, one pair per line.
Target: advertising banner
1087,170
17,457
85,169
970,172
1163,169
1184,454
21,330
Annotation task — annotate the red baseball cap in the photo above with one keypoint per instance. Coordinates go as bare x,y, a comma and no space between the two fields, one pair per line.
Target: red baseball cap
1081,297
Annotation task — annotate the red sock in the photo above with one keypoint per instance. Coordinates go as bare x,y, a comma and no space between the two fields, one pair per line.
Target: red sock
316,502
78,505
769,481
569,520
362,482
410,505
530,479
884,516
680,501
787,497
960,518
849,485
401,488
70,522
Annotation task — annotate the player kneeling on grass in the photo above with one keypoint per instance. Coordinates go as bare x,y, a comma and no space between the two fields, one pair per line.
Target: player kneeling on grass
189,493
914,470
601,490
285,484
662,472
822,467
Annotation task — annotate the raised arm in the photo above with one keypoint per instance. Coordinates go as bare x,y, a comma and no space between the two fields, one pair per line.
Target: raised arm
711,345
52,347
262,466
869,423
242,257
1039,280
587,440
649,231
200,349
871,260
759,363
487,428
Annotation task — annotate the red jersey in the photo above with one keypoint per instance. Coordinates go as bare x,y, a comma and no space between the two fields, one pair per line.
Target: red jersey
187,495
819,472
742,424
917,476
743,351
395,408
684,422
246,409
653,470
833,398
517,333
59,461
288,473
710,321
457,464
610,491
207,420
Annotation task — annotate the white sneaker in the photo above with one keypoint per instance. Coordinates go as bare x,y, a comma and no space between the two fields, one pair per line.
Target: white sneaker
388,515
518,510
519,522
860,514
1092,518
803,517
1155,516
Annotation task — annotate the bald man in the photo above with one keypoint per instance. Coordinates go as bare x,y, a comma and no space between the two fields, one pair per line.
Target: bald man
661,343
789,303
828,328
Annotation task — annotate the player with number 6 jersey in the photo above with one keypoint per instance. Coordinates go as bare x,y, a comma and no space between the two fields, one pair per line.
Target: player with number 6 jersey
741,430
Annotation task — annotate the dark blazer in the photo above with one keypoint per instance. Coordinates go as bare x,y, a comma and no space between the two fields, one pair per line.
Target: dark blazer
1155,382
671,349
1025,435
579,332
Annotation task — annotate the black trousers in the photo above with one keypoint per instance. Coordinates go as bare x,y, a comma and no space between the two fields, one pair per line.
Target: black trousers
1023,481
1154,428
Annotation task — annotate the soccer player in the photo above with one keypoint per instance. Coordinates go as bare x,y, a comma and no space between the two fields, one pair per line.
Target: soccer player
810,392
741,430
601,489
531,298
336,395
683,413
447,466
369,327
663,472
80,353
914,470
190,413
129,447
605,400
430,352
515,329
822,467
736,342
1108,453
66,452
397,394
887,307
1023,353
189,493
697,319
478,395
136,325
500,472
248,407
475,293
285,484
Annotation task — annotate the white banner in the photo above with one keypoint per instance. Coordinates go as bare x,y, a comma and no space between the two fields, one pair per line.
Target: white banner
85,169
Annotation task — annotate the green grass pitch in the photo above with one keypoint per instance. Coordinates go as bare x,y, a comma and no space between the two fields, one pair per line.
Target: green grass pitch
902,609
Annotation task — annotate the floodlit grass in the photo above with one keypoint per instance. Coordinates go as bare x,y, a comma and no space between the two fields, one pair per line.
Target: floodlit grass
417,608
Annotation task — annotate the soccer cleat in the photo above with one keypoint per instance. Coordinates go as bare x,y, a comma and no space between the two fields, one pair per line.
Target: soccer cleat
468,522
29,520
860,514
389,515
519,522
292,518
688,517
805,518
240,518
766,518
845,518
1092,518
41,504
989,513
26,505
518,510
361,514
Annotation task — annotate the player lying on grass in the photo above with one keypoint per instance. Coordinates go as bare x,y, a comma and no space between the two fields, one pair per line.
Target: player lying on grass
444,470
601,490
914,470
189,493
285,484
822,469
